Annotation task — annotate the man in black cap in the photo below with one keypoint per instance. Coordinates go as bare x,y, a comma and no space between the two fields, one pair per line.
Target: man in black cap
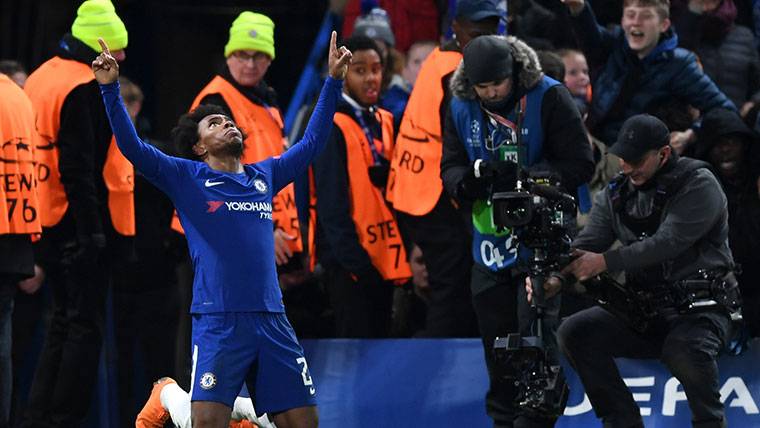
500,92
669,213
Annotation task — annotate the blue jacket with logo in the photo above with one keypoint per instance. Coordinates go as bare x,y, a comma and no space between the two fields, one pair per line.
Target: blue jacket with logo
227,217
551,128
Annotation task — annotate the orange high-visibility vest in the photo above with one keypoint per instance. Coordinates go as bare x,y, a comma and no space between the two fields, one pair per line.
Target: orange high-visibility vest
48,88
374,221
263,127
414,182
18,184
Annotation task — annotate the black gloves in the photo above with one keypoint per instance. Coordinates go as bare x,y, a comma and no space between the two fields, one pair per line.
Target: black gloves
502,174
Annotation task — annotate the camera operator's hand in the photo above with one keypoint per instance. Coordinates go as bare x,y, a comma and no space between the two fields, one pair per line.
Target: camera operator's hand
552,286
586,264
496,172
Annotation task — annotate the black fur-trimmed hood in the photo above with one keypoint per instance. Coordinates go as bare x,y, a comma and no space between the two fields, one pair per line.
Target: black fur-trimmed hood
526,65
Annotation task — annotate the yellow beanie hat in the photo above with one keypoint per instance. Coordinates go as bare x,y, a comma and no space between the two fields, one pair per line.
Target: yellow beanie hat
252,31
98,18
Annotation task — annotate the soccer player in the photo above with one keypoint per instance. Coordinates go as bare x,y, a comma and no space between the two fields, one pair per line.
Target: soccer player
240,332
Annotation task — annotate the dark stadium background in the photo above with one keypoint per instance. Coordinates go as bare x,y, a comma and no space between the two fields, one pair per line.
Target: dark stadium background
175,46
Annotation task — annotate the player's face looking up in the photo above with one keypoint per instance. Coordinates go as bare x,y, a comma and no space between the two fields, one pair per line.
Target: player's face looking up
364,76
218,136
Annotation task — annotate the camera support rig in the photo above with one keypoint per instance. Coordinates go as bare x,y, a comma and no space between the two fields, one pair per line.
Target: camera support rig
539,216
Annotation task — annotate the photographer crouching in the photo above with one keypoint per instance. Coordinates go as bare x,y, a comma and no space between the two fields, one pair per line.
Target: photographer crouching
505,112
679,296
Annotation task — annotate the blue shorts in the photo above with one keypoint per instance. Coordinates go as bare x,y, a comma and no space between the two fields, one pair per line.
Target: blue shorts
258,348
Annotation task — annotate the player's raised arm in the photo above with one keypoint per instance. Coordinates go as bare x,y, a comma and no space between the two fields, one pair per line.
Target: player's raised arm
295,160
143,156
337,59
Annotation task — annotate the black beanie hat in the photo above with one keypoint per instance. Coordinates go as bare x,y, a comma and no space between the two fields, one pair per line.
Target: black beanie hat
487,59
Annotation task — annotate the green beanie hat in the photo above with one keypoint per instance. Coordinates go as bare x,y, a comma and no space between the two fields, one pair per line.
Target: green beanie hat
98,18
251,31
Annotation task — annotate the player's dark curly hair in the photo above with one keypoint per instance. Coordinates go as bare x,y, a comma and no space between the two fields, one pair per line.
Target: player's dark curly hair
185,134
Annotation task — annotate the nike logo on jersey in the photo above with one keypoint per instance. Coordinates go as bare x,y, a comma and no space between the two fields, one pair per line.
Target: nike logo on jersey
210,183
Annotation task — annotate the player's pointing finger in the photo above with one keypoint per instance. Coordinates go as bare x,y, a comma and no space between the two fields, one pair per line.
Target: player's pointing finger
103,46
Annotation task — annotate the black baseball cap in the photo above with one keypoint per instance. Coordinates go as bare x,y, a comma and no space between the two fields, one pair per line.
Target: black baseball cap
475,10
487,59
638,135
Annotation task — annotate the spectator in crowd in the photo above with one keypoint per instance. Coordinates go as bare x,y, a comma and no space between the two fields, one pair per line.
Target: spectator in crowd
577,78
144,298
358,241
14,70
428,215
377,26
500,84
640,66
540,27
551,65
86,209
732,149
394,98
20,218
726,50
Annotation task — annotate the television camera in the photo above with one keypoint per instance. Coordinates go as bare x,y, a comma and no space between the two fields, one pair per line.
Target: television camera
541,218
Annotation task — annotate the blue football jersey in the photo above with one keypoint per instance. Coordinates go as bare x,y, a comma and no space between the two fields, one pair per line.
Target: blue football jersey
227,217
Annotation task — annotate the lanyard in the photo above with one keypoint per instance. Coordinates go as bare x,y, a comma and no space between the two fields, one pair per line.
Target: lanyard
497,119
358,110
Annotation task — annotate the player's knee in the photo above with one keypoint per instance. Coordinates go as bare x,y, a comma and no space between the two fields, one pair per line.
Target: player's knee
211,416
302,417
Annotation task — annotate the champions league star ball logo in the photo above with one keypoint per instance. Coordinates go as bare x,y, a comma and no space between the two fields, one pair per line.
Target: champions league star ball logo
208,380
260,185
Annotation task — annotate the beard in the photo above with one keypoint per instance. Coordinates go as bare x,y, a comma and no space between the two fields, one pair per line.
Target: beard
497,106
234,148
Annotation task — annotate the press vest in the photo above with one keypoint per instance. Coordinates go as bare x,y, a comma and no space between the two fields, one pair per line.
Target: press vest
414,182
377,229
490,248
48,87
18,183
263,126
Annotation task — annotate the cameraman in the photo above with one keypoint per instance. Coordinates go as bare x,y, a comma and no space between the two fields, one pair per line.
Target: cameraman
500,92
670,215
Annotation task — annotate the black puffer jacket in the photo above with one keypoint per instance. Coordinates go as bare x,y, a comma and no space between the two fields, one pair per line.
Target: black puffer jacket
726,51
